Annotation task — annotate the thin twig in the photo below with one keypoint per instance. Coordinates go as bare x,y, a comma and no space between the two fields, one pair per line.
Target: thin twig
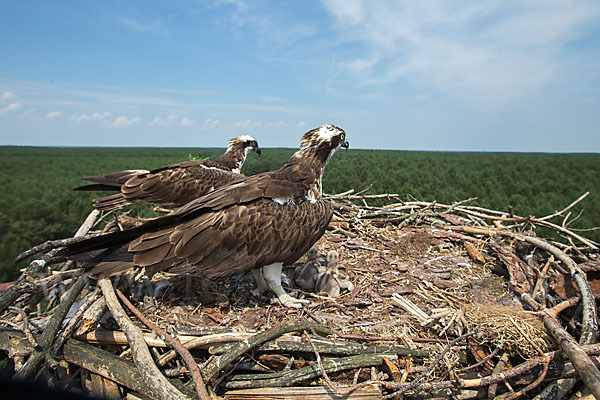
26,328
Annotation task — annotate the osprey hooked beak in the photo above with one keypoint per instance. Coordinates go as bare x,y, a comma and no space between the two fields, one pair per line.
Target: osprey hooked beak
254,147
345,144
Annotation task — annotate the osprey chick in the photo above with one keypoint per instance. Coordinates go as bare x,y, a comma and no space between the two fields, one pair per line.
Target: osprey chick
307,274
267,220
176,184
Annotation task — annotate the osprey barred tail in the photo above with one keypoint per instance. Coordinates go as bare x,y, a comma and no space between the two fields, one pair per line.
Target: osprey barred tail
175,184
267,220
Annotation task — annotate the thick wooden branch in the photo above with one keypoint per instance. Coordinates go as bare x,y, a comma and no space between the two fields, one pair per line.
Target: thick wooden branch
101,336
32,365
312,371
75,318
242,347
205,342
581,361
150,374
108,365
174,341
372,392
10,295
337,348
91,316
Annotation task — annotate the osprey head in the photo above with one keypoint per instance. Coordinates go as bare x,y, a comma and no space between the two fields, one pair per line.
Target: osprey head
323,141
245,142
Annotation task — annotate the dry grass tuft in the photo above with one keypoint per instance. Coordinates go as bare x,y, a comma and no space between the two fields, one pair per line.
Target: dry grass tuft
519,332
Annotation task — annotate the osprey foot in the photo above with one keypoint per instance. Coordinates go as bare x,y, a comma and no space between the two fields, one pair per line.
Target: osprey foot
289,301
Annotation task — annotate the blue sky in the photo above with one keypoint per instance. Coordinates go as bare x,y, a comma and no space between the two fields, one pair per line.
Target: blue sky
507,75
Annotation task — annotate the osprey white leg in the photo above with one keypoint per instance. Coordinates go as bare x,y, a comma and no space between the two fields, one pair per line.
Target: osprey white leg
261,285
272,275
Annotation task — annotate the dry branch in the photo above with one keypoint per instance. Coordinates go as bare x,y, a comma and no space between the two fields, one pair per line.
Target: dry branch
108,365
75,318
310,392
174,341
294,344
205,341
91,316
240,348
150,374
37,358
583,364
298,375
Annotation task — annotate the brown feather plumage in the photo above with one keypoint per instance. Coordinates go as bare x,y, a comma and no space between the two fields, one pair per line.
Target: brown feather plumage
176,184
274,217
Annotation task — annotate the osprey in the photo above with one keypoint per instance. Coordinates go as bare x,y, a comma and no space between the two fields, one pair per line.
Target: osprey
175,184
267,220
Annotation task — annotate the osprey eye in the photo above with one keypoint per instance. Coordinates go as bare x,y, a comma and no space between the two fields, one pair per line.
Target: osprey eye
342,136
254,144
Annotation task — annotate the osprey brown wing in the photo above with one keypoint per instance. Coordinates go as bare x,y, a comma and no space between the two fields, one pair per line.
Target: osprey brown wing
235,239
247,191
175,187
176,184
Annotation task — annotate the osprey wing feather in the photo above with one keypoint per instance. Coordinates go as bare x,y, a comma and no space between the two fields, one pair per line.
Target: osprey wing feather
176,184
237,227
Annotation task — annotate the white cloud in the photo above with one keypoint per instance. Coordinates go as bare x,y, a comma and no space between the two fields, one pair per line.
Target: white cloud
495,51
211,123
53,114
10,107
301,124
105,114
85,117
169,121
6,95
122,121
186,122
247,124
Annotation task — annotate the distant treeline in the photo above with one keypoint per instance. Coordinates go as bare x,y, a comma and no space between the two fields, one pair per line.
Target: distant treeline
37,203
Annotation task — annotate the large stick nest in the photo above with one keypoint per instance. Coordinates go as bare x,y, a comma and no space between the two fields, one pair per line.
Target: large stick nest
443,295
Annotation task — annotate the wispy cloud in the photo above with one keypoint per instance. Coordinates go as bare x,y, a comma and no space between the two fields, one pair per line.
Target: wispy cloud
122,121
171,120
10,107
54,114
186,122
6,95
211,123
274,29
156,27
92,117
494,51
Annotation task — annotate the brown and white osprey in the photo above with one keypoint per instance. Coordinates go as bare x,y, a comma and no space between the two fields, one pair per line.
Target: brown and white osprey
175,184
267,220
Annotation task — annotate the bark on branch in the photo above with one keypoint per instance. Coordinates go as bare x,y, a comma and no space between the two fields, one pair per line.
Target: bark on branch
150,374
